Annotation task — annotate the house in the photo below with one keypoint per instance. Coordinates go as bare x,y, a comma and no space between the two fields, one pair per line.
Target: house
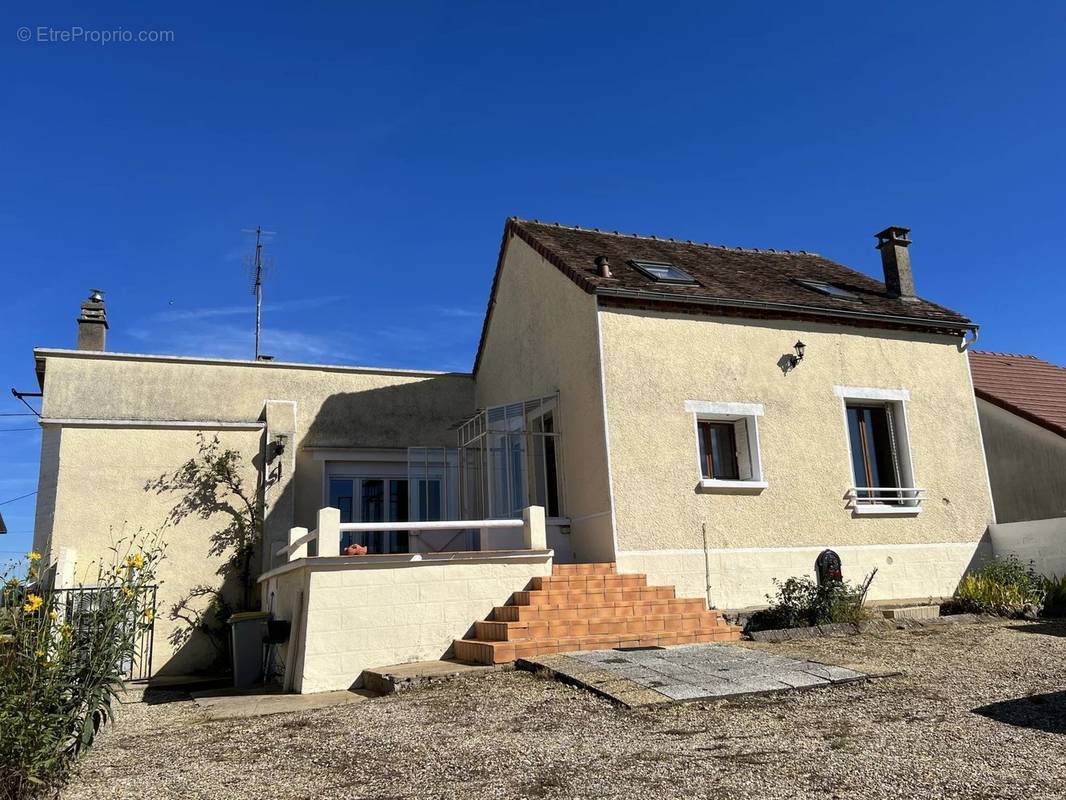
653,429
1021,403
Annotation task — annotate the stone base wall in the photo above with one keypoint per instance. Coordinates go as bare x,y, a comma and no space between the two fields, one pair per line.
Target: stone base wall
737,578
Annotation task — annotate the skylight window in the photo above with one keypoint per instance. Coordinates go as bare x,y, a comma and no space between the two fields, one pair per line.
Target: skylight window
663,273
828,289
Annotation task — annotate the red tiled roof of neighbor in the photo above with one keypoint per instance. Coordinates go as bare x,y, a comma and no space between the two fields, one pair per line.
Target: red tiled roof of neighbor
729,280
1024,385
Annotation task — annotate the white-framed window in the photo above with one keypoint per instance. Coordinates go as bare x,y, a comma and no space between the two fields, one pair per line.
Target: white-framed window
727,445
879,451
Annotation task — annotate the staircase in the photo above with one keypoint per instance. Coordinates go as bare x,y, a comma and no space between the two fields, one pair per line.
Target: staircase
590,607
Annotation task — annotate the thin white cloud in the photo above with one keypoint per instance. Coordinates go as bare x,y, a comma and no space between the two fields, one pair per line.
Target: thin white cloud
183,315
466,313
207,337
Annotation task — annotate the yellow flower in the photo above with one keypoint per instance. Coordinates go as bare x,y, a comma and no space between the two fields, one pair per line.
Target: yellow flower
126,590
149,615
66,630
137,560
33,555
33,602
39,654
53,615
33,572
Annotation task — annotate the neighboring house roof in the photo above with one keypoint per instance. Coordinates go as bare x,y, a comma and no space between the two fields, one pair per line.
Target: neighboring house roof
1024,385
730,280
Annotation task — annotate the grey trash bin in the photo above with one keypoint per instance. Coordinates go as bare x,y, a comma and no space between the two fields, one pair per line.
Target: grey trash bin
247,630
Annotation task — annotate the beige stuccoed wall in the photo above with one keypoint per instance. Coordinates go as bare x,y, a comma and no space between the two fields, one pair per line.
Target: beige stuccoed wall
654,362
1026,464
96,471
542,338
101,499
382,611
335,406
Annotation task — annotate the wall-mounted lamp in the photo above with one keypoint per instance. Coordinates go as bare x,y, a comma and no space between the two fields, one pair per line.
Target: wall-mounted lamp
794,360
278,447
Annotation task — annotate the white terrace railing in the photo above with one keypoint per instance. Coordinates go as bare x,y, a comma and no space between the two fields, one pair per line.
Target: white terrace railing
903,499
329,530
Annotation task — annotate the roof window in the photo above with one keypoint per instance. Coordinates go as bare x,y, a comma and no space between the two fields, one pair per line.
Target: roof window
661,272
827,289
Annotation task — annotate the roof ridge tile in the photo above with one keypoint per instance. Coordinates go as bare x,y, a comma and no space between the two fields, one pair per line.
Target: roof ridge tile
653,238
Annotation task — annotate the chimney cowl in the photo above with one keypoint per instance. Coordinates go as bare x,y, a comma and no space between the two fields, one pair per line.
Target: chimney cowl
893,242
92,323
603,267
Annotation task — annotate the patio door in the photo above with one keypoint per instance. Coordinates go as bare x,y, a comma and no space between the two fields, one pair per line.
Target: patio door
372,499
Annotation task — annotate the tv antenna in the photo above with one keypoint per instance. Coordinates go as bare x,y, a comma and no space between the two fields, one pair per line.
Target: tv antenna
258,266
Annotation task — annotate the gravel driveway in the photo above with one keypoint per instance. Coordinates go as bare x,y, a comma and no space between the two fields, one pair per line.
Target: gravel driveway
512,734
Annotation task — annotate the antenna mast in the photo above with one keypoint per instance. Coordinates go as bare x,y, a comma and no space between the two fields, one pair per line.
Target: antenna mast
258,287
258,266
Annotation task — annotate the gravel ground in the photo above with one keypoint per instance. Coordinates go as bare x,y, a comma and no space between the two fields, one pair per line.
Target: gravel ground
512,734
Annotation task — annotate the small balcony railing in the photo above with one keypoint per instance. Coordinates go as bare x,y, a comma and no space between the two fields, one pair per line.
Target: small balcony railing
885,499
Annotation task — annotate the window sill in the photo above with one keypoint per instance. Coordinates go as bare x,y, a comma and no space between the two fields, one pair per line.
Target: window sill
710,485
876,510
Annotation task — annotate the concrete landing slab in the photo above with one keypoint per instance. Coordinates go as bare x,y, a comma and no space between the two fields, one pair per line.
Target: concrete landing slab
688,672
401,677
225,704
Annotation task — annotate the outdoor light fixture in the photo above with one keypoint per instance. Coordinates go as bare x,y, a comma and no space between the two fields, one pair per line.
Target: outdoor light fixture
794,360
279,446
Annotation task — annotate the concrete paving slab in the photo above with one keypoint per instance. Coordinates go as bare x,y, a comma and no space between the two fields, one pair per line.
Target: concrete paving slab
689,672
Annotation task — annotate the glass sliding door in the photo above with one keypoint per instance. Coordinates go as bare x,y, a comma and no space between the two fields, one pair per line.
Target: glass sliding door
372,500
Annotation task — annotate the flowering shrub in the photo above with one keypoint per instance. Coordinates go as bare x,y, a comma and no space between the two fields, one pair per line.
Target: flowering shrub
61,664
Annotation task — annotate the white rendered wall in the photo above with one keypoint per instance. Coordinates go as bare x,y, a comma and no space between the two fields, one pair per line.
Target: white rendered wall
386,610
1040,541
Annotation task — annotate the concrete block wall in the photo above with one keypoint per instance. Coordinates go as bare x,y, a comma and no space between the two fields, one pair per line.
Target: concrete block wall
1040,541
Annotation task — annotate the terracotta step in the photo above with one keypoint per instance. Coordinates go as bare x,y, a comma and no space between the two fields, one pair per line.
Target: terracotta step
601,610
583,569
479,651
587,582
562,597
570,628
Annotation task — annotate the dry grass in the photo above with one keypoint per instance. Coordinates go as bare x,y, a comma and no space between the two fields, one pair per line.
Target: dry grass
511,735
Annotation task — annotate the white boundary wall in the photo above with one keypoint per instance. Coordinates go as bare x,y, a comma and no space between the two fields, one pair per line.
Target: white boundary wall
742,577
351,614
1040,541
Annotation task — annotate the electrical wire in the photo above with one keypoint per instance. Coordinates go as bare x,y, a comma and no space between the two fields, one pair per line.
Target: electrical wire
20,497
16,430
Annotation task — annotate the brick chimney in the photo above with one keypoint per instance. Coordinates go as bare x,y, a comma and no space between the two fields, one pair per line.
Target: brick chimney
92,323
896,261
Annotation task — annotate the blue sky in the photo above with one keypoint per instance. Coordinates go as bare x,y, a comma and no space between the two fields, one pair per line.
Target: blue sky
386,144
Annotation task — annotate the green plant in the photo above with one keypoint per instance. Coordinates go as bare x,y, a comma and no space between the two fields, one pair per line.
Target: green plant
61,663
800,603
1054,597
1003,586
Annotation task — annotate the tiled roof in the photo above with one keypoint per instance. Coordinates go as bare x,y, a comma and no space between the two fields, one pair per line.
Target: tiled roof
1024,385
726,274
